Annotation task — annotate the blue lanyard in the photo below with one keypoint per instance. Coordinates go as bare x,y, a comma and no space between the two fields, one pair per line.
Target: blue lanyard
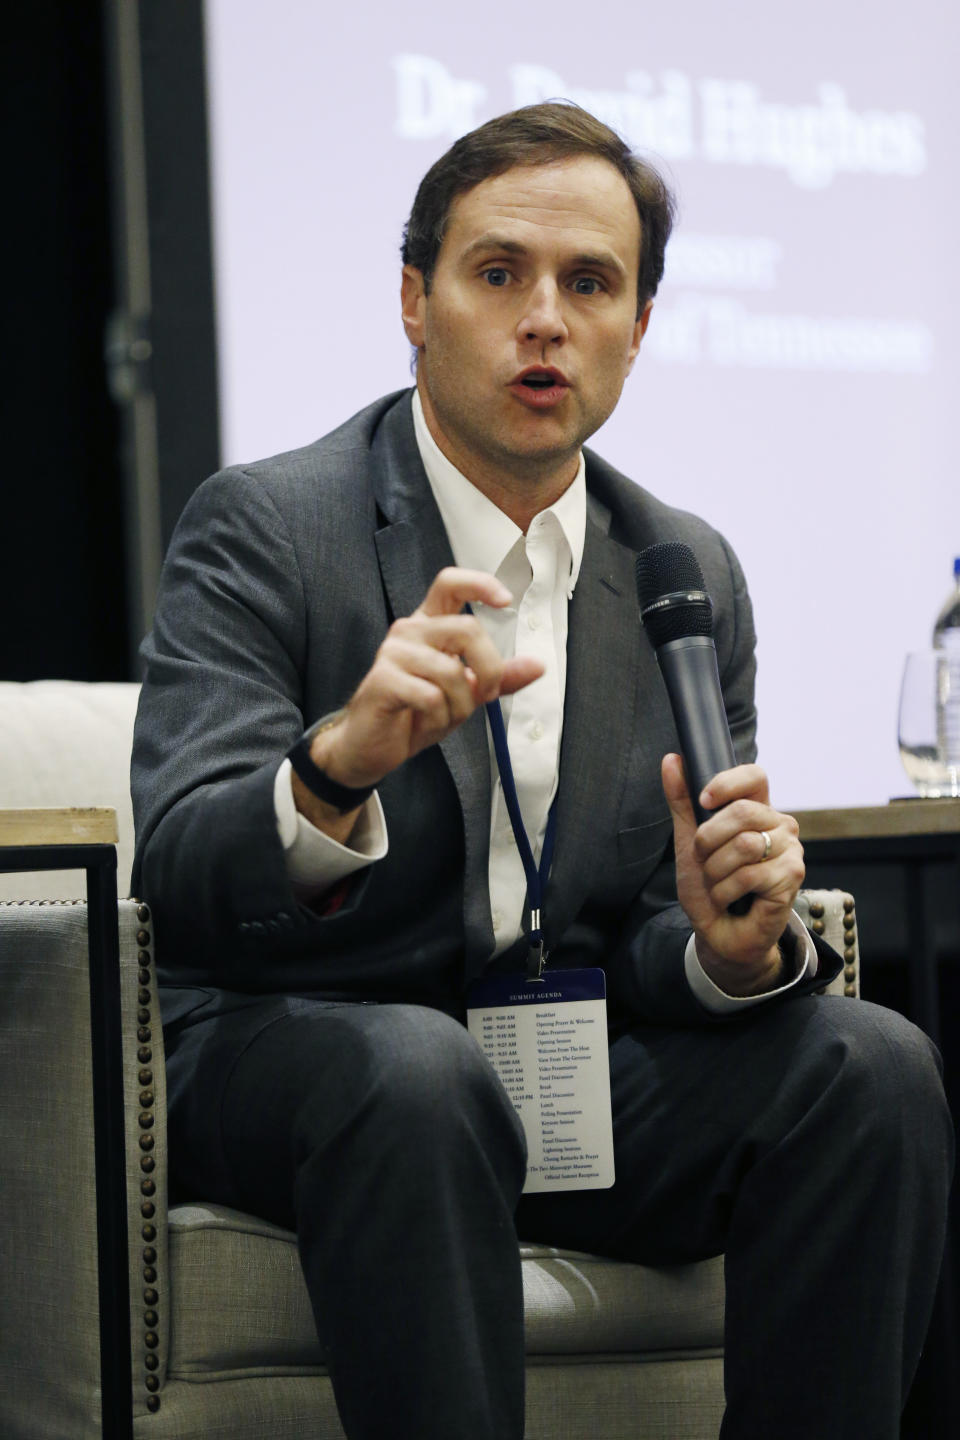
536,878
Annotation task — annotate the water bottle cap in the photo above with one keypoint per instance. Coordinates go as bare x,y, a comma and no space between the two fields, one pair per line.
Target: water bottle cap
956,568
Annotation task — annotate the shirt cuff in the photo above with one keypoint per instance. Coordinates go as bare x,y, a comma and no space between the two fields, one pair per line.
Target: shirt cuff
315,861
717,1001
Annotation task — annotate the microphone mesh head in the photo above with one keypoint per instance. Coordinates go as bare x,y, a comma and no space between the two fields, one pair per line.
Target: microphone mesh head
665,568
671,590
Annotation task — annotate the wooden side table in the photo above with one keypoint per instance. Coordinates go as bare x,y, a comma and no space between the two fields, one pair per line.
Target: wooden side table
86,839
897,820
914,835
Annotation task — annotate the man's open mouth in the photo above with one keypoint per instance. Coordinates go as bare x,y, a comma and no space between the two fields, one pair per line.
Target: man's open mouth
540,389
541,380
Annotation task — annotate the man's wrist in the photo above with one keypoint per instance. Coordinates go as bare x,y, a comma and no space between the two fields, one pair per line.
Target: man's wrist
342,798
797,955
318,856
309,756
332,810
739,980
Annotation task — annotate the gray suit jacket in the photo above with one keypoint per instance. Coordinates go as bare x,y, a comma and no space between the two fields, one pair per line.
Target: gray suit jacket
281,581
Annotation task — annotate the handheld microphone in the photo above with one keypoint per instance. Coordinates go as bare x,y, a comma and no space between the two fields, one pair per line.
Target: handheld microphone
677,614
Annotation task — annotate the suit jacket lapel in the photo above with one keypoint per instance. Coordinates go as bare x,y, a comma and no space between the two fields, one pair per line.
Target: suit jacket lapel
412,546
608,665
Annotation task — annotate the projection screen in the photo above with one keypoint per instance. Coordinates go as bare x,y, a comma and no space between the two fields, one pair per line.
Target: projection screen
797,380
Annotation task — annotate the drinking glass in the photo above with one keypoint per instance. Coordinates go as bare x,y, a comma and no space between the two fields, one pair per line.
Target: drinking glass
927,680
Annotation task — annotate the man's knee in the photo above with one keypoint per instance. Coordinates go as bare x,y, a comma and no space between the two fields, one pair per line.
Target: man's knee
888,1071
414,1083
882,1046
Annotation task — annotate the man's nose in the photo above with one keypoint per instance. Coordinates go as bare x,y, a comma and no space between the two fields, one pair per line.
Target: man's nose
542,317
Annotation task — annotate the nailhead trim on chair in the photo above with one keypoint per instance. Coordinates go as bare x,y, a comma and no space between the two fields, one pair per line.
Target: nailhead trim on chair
849,940
148,1187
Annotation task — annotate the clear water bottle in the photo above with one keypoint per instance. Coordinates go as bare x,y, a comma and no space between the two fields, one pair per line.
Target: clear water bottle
946,638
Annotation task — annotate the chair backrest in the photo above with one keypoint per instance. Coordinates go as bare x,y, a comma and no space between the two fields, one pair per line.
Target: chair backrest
65,742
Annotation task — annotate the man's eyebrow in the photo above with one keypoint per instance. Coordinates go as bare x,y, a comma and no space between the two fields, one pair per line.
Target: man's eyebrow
600,260
491,242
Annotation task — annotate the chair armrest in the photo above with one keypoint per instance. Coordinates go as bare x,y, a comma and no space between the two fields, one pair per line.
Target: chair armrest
831,914
49,1362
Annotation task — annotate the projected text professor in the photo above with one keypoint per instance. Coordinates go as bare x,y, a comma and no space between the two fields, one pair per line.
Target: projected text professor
401,736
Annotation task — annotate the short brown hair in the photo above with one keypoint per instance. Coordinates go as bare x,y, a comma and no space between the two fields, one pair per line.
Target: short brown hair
536,135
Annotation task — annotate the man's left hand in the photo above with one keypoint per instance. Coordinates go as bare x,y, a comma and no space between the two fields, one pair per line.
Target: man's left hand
727,857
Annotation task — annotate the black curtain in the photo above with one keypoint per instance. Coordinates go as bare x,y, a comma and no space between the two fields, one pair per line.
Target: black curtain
62,580
64,568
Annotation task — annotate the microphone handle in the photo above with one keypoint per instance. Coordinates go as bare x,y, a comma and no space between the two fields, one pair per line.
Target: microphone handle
689,669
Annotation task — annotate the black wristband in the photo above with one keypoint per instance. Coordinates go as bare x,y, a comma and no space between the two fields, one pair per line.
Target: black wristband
342,797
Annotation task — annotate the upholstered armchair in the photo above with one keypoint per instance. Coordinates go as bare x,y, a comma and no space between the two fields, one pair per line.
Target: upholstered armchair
221,1331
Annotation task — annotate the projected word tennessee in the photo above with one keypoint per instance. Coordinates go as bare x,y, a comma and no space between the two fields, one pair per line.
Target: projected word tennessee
721,331
722,122
694,328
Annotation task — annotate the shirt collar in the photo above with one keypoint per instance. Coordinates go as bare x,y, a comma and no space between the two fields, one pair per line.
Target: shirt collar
480,534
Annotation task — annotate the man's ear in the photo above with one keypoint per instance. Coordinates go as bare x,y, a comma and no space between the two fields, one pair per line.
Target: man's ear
413,305
639,330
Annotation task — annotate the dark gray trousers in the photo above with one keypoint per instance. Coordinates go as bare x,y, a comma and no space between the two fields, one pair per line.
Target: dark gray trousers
809,1141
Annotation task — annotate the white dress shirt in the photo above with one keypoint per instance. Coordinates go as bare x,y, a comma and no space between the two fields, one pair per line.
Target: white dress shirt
540,569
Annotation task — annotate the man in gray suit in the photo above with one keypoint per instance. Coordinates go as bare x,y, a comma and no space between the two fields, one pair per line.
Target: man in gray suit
323,836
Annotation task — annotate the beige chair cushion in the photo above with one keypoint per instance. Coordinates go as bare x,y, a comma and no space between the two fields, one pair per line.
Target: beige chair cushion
576,1305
